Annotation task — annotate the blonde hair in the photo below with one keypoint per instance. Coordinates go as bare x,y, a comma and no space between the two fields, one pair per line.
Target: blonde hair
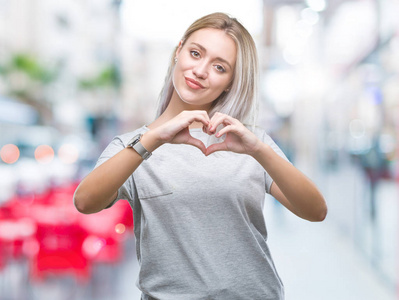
240,101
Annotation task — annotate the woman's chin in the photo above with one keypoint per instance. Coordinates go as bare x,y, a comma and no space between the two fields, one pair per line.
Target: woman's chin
193,102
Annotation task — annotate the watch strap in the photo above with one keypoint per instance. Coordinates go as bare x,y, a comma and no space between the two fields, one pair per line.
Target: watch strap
144,153
138,147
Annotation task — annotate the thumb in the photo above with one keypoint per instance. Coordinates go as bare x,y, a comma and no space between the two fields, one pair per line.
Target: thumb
216,147
196,143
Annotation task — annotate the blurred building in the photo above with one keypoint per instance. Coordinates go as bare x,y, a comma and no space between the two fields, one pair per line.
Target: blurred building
59,86
78,41
331,76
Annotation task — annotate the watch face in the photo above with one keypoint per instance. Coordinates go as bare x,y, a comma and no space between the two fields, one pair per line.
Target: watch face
134,140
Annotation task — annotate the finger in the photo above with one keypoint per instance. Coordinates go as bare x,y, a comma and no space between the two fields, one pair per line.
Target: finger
202,113
226,129
216,120
220,119
195,115
216,147
206,129
200,118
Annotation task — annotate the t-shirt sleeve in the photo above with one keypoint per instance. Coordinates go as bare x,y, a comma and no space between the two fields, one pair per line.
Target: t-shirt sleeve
127,189
269,141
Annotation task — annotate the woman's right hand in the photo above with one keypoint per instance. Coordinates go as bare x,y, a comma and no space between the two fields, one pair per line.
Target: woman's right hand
176,130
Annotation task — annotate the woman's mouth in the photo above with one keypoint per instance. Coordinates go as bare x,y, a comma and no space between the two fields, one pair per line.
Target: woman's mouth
193,83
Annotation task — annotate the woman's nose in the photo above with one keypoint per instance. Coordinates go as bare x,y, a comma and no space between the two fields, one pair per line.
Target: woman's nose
200,70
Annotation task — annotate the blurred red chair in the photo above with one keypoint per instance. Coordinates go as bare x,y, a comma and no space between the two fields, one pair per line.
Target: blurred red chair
60,240
17,241
2,259
65,241
14,234
60,252
102,250
107,230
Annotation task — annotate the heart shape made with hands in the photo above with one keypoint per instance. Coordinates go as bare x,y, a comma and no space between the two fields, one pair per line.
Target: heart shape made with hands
185,137
230,135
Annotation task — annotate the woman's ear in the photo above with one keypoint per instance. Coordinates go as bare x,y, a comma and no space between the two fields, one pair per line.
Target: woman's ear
178,49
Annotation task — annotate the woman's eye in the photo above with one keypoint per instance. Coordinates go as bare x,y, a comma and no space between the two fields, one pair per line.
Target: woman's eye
195,54
220,68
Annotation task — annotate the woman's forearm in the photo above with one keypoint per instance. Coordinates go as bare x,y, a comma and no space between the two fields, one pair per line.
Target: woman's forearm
98,189
304,199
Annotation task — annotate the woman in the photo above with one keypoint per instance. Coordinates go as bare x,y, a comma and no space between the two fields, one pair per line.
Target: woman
199,227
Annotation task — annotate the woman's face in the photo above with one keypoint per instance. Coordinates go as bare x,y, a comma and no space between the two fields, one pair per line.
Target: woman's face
205,67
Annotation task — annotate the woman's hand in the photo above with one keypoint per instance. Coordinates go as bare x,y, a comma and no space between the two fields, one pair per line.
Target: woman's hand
238,138
176,130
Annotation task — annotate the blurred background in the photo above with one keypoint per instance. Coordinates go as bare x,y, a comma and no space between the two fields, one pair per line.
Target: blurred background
73,74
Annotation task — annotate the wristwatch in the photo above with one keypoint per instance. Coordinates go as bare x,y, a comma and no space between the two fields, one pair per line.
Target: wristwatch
136,145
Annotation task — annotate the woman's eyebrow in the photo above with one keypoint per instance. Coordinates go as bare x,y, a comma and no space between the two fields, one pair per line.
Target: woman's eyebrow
202,48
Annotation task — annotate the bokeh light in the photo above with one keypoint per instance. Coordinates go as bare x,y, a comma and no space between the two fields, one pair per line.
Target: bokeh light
120,228
9,153
92,245
68,153
44,154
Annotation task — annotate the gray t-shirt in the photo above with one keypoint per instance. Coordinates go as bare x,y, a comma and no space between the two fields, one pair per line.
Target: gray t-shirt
198,222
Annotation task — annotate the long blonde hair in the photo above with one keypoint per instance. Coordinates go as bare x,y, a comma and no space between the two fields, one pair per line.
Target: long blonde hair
240,101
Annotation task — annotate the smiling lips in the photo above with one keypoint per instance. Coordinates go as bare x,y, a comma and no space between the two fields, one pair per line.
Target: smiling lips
193,83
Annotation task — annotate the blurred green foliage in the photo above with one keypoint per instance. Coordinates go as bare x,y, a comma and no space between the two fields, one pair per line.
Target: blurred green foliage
31,66
26,78
108,77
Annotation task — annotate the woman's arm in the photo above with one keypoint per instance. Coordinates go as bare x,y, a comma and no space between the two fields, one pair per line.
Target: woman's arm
291,187
98,189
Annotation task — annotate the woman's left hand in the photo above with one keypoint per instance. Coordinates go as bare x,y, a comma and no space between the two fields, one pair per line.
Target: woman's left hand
238,138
